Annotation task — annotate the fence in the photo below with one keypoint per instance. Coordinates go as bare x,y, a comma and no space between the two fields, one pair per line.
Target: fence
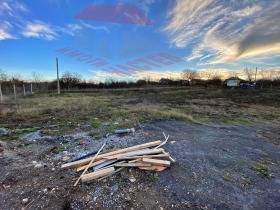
14,91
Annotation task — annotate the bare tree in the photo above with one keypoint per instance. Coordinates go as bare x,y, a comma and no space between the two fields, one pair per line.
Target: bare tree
210,74
249,73
189,74
70,79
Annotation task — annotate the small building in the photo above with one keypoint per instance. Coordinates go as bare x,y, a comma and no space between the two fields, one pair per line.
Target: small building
232,82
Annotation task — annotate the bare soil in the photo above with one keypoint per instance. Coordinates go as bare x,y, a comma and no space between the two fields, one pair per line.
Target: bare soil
217,167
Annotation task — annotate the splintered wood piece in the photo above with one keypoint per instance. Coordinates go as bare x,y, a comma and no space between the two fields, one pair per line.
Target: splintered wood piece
92,159
132,164
97,174
170,158
153,168
91,165
163,143
129,149
156,162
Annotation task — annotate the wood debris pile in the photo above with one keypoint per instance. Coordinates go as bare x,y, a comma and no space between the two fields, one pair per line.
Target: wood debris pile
146,156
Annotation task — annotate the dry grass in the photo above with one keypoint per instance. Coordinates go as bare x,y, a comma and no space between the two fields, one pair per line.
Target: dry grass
127,108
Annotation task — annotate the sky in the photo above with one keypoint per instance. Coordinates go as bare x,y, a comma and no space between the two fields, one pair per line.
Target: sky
130,39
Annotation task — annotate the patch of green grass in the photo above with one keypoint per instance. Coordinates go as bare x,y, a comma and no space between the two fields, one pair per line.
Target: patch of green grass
154,177
95,123
62,148
26,130
262,170
92,134
227,178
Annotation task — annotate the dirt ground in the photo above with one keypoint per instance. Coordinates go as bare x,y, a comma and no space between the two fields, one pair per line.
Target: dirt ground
217,167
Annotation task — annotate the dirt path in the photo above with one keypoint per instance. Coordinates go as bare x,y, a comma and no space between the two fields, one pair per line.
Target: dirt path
229,167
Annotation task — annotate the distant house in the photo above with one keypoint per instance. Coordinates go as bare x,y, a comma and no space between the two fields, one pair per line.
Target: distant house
232,82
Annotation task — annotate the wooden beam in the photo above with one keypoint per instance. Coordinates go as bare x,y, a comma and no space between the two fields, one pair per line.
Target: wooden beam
156,162
97,174
144,152
153,168
113,156
129,149
132,164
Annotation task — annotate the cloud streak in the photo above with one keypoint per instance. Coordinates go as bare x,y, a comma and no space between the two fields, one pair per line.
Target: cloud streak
224,32
16,23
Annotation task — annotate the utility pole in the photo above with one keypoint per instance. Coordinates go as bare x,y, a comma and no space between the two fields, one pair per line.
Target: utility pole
57,74
1,96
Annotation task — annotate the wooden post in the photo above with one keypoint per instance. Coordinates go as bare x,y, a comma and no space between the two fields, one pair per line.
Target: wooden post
15,91
1,96
57,75
23,86
31,88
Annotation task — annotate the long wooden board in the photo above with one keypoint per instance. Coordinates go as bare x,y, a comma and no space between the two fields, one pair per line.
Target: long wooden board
143,152
144,156
156,162
97,174
128,149
132,164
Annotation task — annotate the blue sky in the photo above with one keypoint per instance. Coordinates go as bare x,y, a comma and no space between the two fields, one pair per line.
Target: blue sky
204,34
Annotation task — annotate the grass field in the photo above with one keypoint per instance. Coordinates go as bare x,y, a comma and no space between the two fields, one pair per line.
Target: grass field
72,111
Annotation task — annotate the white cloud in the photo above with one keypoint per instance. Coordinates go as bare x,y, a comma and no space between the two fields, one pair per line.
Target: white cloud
5,27
248,11
223,32
39,29
101,27
5,35
15,23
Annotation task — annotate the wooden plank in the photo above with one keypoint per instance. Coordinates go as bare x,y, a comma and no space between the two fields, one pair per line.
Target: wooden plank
156,162
153,168
128,149
116,171
132,164
113,156
135,161
144,156
144,152
97,174
91,165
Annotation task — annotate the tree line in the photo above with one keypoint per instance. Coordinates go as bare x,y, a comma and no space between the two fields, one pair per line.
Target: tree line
71,80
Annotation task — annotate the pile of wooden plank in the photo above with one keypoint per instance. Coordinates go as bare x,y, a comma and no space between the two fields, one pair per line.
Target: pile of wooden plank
146,156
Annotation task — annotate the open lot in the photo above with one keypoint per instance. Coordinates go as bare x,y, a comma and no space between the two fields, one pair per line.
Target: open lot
226,147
